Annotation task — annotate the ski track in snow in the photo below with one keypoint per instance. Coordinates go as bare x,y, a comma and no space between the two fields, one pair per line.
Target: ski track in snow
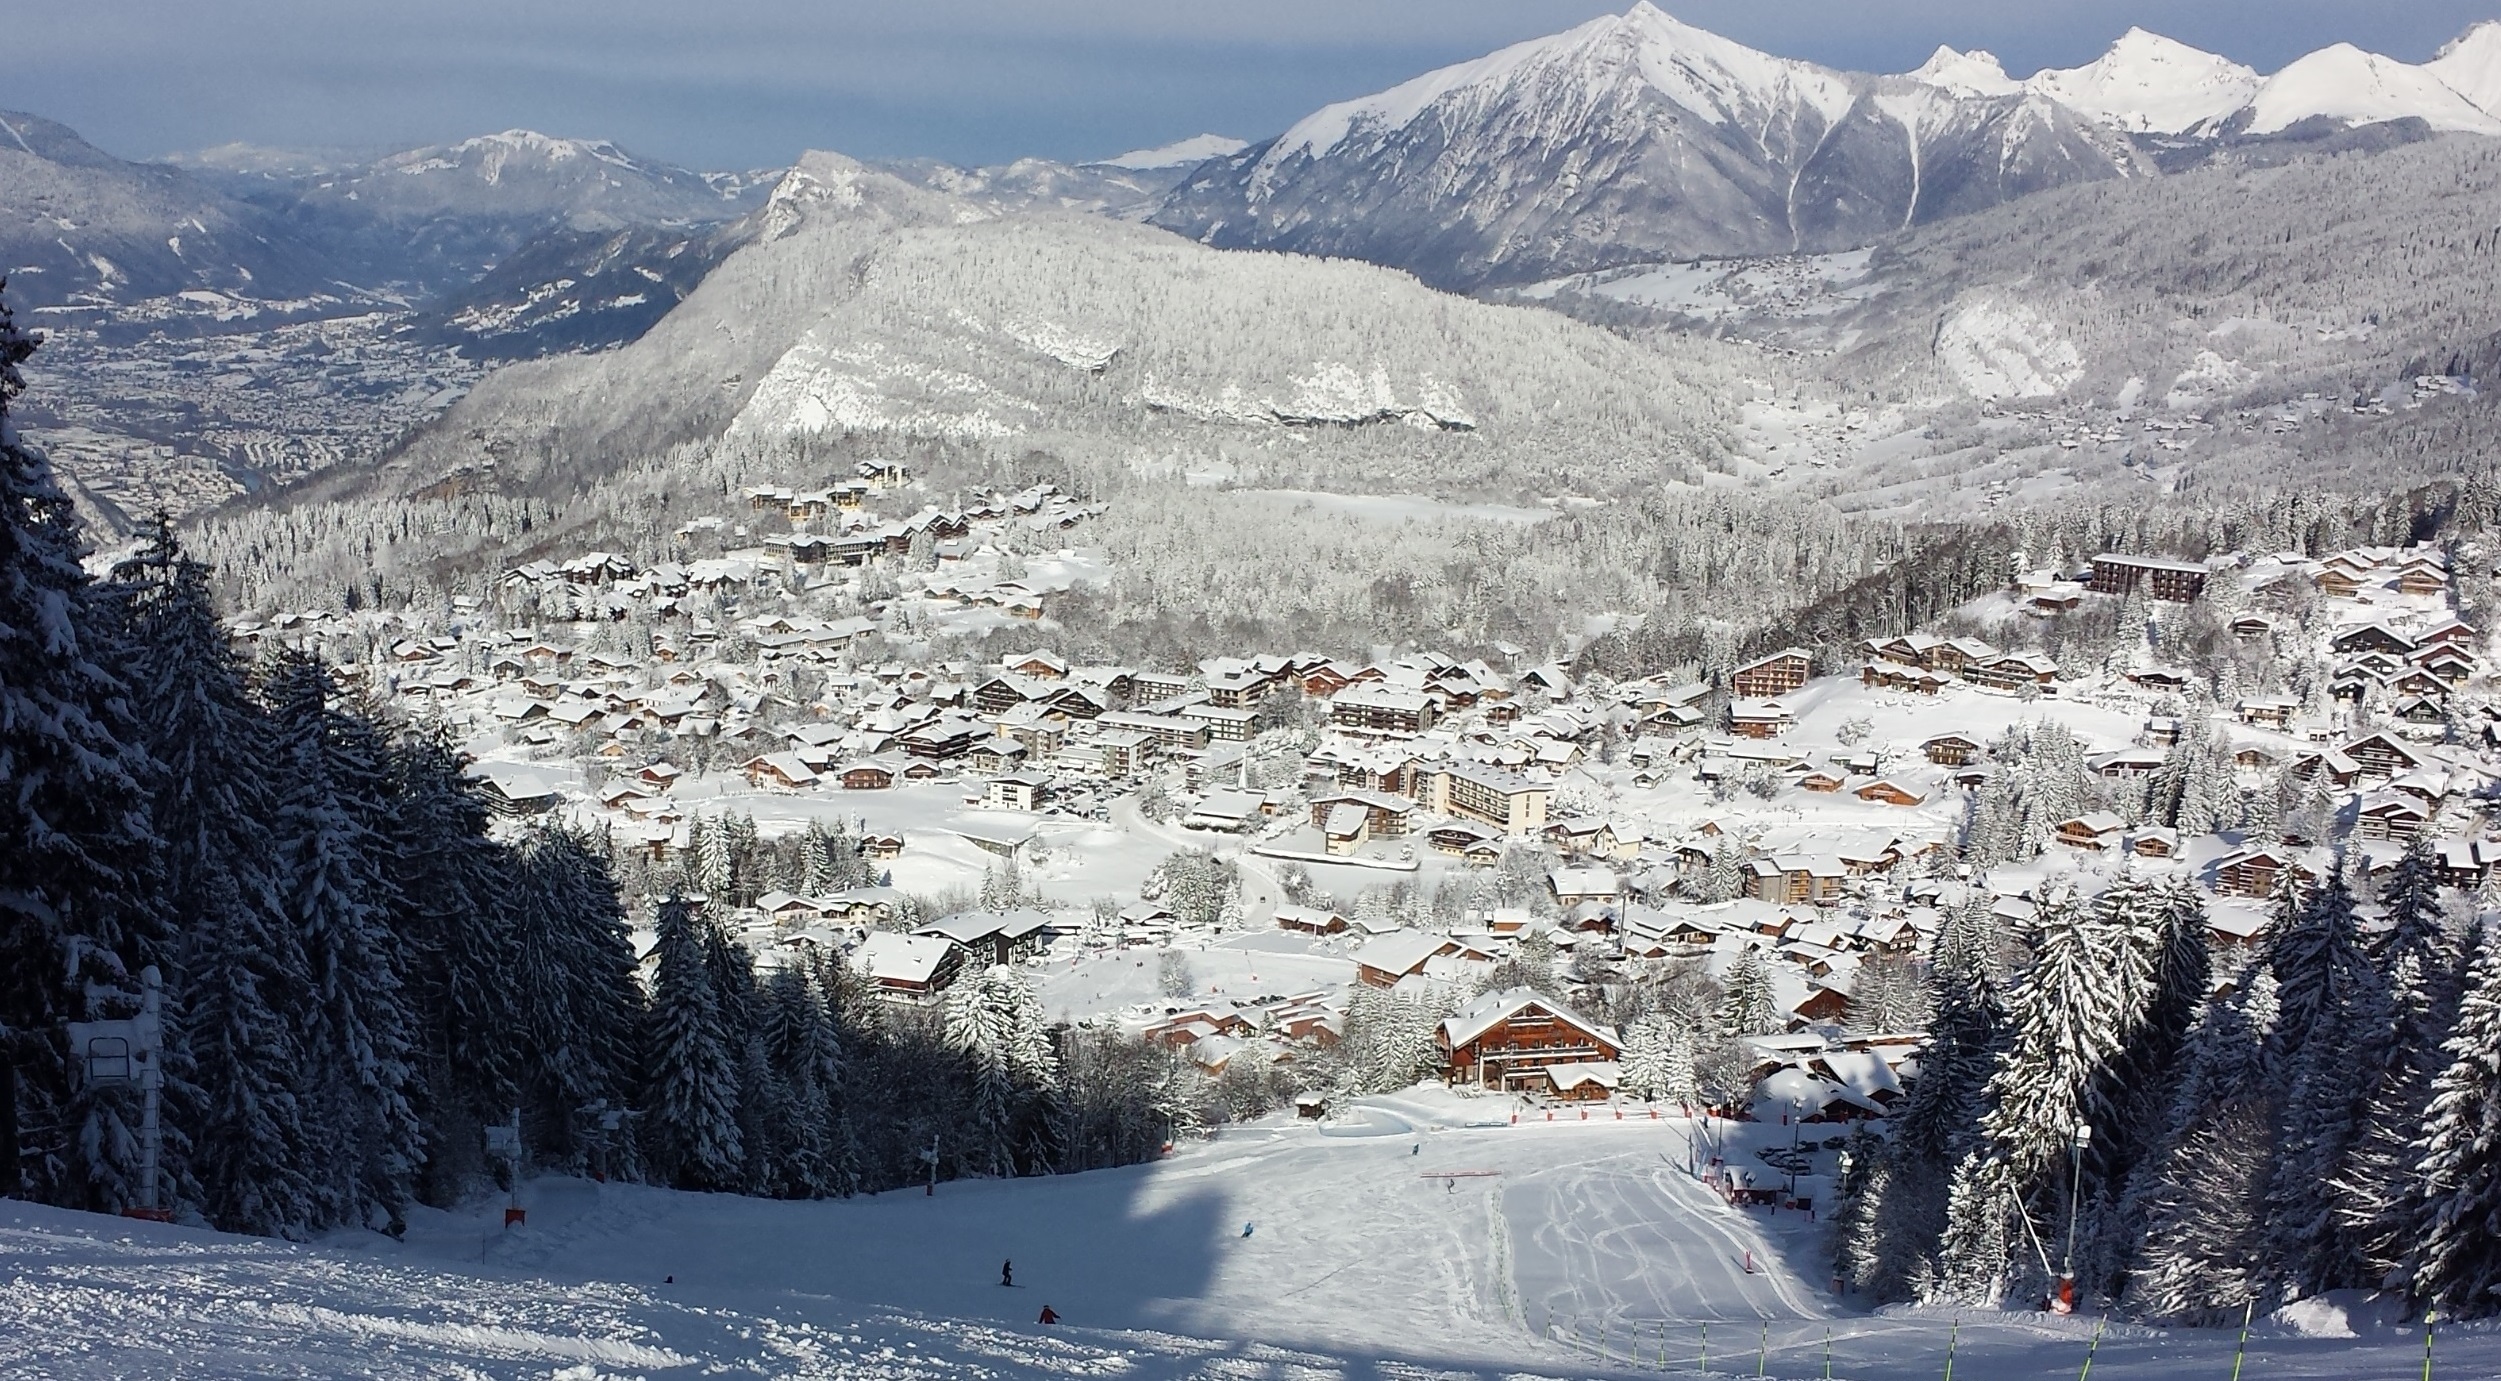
1364,1265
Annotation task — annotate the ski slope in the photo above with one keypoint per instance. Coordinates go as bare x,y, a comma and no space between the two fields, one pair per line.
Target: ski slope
1567,1249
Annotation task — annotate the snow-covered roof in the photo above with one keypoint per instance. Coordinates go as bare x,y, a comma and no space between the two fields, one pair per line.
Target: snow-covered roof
1491,1010
1402,951
890,958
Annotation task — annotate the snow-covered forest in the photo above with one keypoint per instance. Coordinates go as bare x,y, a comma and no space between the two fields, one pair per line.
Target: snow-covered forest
2317,1116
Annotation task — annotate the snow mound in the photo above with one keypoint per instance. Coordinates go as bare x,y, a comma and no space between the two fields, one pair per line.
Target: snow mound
1186,153
2149,84
1996,349
2345,1314
2345,83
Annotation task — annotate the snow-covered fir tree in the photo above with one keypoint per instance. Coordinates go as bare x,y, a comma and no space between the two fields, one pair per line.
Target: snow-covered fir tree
2376,1202
2201,1193
75,911
357,1030
2333,1014
2456,1263
1902,1199
1752,1007
691,1101
995,1024
1658,1061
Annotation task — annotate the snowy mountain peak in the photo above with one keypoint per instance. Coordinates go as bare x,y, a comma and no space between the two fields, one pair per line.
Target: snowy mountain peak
1636,135
2346,84
2471,66
1714,77
2149,84
1975,73
1186,153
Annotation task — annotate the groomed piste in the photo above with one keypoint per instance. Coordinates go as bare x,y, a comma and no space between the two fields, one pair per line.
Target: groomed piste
1569,1249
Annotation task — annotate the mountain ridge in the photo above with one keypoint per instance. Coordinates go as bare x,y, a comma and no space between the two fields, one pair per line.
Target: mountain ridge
1632,136
1637,137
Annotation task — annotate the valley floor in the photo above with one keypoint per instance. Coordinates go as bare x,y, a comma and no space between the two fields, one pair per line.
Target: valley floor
1402,1242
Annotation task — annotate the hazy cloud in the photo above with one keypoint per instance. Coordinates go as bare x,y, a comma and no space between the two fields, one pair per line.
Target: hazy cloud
729,83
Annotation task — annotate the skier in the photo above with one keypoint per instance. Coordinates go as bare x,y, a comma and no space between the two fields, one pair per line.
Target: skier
1007,1273
1049,1315
1246,1229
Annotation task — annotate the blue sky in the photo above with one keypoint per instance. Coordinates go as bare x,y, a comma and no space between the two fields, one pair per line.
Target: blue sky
749,83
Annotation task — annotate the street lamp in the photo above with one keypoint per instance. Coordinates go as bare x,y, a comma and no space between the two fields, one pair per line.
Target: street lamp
2065,1303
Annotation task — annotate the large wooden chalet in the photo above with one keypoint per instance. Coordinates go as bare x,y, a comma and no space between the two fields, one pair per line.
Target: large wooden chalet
1508,1040
1775,675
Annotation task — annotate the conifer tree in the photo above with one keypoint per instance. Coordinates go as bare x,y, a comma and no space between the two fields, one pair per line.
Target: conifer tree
579,1002
356,1031
251,1151
2067,1016
76,872
1751,1008
450,890
2457,1260
2201,1194
2376,1203
1658,1061
691,1104
1904,1196
2162,930
2334,1011
803,1049
994,1022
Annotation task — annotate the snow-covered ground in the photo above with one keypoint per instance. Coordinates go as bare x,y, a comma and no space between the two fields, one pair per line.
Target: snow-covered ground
1587,1250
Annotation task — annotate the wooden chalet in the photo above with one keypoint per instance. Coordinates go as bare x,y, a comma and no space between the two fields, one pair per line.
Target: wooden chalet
1794,879
783,770
2014,671
2378,755
867,776
1885,791
1406,953
1310,920
2094,831
1951,750
1894,676
1508,1040
1775,675
2391,815
2255,873
2372,637
1759,719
